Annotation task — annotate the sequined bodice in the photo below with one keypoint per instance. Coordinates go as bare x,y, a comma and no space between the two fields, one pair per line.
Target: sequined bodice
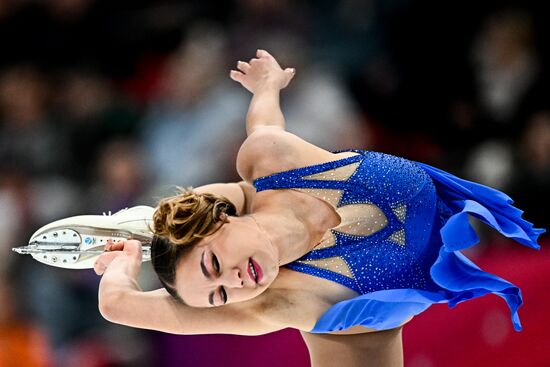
387,206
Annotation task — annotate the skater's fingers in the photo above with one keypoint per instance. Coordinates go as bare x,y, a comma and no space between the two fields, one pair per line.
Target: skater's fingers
263,53
104,260
291,71
99,268
244,67
132,247
236,75
114,246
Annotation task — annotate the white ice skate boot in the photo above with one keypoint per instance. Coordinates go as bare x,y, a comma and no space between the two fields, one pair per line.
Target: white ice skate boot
76,242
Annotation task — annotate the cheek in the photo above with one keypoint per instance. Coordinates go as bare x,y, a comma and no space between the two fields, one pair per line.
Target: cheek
246,294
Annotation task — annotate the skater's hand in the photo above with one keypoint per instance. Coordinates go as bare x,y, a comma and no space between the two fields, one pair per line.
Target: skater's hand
120,265
125,256
262,72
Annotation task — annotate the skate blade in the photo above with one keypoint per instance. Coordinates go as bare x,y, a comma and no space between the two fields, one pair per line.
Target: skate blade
78,247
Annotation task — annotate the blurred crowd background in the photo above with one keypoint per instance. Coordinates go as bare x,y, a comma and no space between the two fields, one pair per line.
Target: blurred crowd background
109,104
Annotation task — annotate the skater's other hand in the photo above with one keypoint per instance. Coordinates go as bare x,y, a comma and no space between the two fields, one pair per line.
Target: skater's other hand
260,72
126,254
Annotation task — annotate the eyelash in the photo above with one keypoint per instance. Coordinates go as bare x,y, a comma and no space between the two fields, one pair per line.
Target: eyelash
215,263
216,266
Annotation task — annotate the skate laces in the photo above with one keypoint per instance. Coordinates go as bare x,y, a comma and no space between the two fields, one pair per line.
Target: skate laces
108,214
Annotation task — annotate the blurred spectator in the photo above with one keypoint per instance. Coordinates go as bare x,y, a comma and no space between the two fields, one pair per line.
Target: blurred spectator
531,176
345,32
92,114
120,179
21,342
320,110
506,68
107,346
195,124
10,227
491,163
27,138
507,81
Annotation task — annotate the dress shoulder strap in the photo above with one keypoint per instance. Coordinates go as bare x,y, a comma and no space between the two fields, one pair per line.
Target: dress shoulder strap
307,177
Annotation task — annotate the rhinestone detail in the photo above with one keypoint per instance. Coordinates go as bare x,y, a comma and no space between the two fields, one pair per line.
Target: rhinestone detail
391,253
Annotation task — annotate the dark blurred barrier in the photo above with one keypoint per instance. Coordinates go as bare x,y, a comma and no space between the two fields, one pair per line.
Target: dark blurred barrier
283,348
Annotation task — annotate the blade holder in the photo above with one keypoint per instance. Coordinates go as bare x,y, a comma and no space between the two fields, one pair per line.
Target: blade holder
65,246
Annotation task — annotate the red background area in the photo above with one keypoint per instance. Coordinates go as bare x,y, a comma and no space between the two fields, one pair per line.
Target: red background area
474,333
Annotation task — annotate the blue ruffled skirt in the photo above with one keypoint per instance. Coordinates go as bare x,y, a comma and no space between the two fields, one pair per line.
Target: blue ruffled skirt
457,278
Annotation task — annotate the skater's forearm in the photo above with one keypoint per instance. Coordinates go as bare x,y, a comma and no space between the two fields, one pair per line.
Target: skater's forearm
121,299
264,109
120,270
114,286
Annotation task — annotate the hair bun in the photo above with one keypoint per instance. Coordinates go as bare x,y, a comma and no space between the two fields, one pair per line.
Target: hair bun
190,216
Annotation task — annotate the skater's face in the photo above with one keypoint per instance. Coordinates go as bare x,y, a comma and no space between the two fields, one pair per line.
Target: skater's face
235,264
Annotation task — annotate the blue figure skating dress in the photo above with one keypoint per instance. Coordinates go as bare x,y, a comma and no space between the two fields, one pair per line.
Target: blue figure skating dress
400,251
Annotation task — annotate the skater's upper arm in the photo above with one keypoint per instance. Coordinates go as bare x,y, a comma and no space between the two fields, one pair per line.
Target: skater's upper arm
270,149
157,310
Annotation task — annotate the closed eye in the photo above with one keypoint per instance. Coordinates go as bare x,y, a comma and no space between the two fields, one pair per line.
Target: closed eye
216,267
215,263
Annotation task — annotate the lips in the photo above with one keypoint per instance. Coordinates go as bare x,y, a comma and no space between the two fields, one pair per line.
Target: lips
254,271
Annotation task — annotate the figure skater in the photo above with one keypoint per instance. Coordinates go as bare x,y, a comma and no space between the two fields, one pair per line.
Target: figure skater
346,247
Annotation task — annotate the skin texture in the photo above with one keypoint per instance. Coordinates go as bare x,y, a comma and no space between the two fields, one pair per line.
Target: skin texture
383,348
287,225
232,246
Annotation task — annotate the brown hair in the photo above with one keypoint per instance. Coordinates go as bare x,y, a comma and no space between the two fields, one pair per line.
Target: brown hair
180,221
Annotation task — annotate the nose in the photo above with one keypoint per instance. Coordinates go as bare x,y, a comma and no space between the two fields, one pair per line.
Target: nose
232,279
